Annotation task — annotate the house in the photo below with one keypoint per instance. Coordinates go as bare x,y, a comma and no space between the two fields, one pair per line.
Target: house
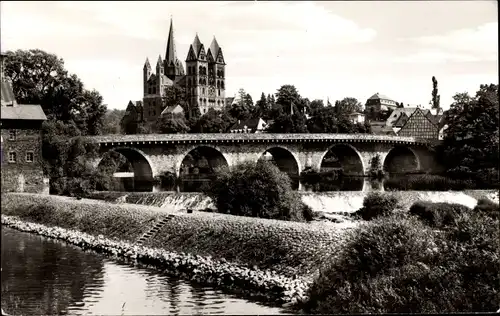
380,103
421,124
21,143
172,111
255,125
133,115
355,117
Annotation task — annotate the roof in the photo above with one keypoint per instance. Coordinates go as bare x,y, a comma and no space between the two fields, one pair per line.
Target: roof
170,54
7,93
172,109
214,48
196,45
32,112
229,100
180,80
378,96
396,113
250,124
420,133
401,120
382,130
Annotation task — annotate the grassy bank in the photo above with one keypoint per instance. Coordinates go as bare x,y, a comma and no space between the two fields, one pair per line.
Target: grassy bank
287,247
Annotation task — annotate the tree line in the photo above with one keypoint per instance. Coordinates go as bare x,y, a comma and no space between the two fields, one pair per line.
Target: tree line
470,145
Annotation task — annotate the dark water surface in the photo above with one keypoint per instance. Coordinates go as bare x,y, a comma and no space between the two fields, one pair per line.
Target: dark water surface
50,277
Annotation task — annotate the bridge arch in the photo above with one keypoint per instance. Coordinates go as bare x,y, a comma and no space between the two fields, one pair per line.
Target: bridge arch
401,159
285,159
143,168
347,156
200,164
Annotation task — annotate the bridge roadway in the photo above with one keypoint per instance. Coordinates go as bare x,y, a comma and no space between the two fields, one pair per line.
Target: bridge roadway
154,154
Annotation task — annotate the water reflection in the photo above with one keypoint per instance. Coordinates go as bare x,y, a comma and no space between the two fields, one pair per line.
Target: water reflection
42,276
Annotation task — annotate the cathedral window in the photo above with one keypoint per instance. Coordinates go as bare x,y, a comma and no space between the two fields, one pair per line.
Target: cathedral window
203,91
218,90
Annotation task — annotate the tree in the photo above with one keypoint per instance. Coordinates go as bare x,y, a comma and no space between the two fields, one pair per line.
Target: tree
315,106
244,108
262,106
287,96
324,120
348,105
471,139
435,96
258,190
171,125
111,121
286,123
211,122
40,78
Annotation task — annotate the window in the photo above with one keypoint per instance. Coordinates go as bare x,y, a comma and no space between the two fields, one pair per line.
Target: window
12,135
203,91
218,92
12,156
29,156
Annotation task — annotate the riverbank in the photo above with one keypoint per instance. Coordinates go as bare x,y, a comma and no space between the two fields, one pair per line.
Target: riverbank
339,202
276,257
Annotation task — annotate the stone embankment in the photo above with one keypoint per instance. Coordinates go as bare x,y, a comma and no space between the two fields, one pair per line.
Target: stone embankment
275,260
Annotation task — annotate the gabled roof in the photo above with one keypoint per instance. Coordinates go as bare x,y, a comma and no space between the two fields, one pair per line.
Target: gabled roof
378,96
229,100
419,133
172,109
31,112
181,80
251,124
401,121
396,113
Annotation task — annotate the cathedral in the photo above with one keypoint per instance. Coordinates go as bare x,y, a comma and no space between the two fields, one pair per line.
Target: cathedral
203,80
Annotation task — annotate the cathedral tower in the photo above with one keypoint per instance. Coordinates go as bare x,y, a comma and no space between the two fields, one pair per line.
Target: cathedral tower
172,65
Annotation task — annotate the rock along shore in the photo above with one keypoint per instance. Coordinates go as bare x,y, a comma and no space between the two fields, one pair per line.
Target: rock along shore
263,285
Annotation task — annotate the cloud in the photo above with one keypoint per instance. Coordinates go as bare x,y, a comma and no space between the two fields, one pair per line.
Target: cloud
479,43
435,56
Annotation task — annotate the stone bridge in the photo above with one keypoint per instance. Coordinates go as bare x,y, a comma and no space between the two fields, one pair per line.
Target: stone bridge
154,154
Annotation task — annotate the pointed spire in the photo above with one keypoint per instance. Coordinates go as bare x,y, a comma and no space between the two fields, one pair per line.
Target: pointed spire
196,45
170,55
147,65
214,48
159,62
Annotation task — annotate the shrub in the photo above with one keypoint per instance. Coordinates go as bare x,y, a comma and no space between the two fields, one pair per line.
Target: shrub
258,190
398,265
308,213
438,215
427,182
488,208
357,278
376,205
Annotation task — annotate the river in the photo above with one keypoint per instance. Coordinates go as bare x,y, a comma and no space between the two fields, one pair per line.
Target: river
42,276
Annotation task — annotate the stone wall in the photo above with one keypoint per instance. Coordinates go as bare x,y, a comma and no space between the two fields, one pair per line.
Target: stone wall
22,175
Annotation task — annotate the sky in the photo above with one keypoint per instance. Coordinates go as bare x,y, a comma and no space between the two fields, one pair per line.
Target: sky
330,49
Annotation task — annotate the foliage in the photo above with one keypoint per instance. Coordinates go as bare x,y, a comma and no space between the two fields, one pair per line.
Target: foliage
40,78
327,120
437,215
212,122
175,124
435,96
428,182
377,205
244,108
315,106
487,208
347,106
111,122
258,190
286,123
287,96
262,107
398,265
471,139
376,167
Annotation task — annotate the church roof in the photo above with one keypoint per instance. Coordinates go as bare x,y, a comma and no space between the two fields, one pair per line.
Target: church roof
172,109
147,65
170,55
214,48
196,45
250,124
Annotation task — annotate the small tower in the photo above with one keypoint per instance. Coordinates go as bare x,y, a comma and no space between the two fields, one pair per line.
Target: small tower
196,84
159,75
217,74
146,73
172,65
